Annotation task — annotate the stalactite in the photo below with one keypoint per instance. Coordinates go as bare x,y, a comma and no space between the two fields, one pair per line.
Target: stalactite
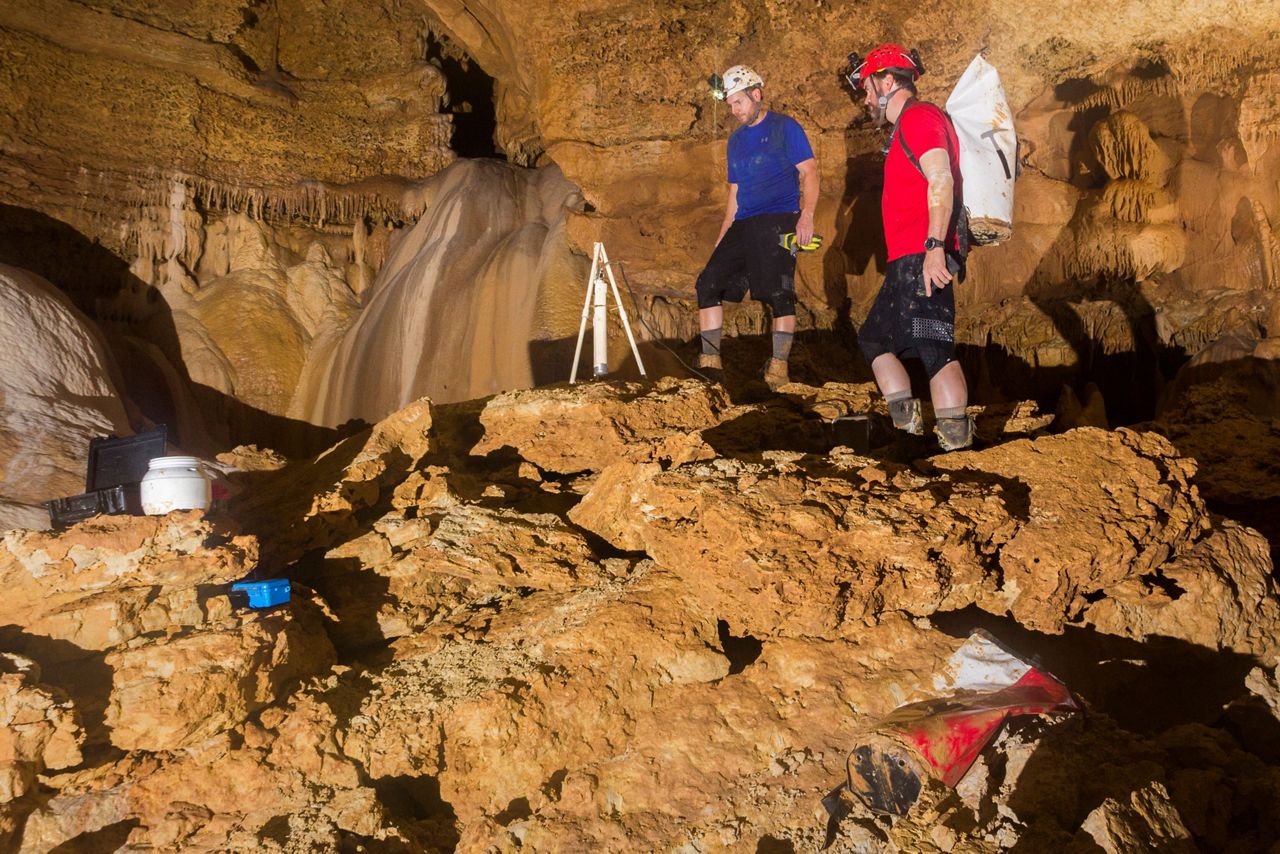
315,205
1121,95
1131,200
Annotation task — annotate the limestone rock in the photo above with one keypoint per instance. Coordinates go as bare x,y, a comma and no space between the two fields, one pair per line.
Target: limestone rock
178,691
654,655
1140,511
111,579
311,504
414,571
570,430
211,796
759,541
890,541
39,730
56,393
1148,820
1219,593
1266,687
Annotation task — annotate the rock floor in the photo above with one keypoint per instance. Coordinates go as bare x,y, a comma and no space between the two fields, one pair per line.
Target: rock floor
641,617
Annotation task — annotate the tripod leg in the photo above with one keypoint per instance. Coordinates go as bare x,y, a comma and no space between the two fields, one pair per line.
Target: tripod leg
586,309
622,314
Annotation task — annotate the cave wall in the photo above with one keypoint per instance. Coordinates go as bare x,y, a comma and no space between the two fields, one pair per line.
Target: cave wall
621,104
1147,210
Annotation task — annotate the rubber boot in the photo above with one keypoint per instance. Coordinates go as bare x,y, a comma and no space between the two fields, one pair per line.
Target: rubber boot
709,362
906,415
775,374
955,434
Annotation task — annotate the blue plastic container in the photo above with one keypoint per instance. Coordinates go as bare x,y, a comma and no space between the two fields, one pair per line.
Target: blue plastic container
264,594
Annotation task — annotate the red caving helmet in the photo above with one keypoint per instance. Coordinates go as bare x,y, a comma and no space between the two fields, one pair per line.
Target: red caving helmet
884,57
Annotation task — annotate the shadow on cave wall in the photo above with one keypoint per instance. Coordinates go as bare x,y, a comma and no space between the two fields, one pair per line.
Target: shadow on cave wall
1131,382
92,277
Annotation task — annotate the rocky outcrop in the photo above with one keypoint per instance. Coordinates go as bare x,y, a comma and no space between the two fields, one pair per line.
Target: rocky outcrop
574,430
40,731
664,637
139,607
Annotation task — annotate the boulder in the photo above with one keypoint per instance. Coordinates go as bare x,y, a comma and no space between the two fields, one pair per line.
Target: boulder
56,393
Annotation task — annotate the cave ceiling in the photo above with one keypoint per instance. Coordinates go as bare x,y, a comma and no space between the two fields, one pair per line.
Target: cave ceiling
102,101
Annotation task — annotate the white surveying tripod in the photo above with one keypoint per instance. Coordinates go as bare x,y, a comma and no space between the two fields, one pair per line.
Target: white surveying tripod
597,294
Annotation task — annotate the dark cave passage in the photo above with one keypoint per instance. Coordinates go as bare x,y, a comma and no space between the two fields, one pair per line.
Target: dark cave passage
469,100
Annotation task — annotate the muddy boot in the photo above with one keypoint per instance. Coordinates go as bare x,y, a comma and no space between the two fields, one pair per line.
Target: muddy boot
955,434
775,374
709,366
906,415
709,362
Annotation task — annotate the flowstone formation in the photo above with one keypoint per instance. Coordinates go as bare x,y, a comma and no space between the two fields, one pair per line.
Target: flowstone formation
640,617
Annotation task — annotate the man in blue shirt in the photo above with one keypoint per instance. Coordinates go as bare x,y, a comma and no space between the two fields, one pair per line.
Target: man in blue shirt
773,190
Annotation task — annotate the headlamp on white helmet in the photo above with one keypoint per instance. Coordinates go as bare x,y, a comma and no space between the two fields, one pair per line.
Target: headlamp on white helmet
737,79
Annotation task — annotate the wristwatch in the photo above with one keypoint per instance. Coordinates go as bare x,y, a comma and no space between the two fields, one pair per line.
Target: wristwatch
933,243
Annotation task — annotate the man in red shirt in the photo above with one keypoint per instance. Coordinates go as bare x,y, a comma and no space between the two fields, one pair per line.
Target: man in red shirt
914,312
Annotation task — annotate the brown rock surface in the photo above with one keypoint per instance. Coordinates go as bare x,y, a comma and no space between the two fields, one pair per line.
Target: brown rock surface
568,430
620,650
112,579
1149,819
179,691
39,730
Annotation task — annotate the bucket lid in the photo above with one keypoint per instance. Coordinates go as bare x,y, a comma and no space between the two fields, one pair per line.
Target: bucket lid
173,462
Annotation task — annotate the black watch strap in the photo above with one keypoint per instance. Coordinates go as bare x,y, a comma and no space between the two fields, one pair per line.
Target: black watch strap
933,243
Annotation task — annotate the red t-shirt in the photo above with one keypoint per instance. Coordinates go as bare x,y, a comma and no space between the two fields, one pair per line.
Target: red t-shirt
905,203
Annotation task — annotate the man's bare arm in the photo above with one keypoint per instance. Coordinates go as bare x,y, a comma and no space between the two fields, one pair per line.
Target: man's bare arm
730,211
936,166
808,170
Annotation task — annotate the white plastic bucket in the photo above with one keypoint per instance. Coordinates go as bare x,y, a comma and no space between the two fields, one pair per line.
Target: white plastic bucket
175,483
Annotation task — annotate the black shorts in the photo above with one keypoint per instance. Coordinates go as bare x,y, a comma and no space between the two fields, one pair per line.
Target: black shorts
750,257
905,322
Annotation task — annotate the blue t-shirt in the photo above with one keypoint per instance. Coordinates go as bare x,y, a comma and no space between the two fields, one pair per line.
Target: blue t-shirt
762,162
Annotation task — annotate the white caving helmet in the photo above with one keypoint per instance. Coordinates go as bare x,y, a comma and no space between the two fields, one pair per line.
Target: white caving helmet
736,79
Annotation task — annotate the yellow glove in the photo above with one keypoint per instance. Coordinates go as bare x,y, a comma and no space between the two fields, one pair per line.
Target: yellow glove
788,242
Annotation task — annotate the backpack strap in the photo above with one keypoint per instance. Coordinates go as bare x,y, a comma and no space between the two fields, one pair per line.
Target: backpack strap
906,149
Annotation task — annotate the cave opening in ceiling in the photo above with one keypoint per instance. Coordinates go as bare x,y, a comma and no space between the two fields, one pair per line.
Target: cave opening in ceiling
469,100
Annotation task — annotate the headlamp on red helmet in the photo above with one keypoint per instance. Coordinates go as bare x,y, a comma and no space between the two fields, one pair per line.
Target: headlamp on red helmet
887,57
